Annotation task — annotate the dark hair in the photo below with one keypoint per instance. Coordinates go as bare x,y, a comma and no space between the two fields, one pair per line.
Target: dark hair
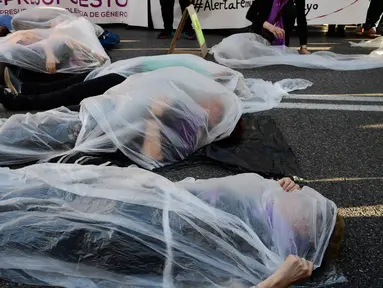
334,246
4,31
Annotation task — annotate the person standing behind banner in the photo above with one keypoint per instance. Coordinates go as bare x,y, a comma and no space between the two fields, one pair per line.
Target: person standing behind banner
167,11
275,20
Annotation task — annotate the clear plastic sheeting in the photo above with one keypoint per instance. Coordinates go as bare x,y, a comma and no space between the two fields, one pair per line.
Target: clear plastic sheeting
70,47
249,50
255,94
374,43
155,119
171,112
87,226
43,17
25,138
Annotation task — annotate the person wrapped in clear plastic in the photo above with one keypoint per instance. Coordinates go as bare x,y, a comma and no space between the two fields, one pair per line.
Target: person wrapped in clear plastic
249,50
43,17
84,226
154,119
71,47
255,94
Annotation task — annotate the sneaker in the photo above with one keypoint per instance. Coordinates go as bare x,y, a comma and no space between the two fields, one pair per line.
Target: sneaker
371,32
12,82
190,35
359,31
165,34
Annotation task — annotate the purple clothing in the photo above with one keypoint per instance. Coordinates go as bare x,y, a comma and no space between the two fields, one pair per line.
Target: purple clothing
276,19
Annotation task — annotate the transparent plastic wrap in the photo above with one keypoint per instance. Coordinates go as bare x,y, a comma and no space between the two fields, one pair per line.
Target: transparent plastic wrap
159,117
155,119
43,17
70,47
255,94
25,138
374,43
88,226
249,50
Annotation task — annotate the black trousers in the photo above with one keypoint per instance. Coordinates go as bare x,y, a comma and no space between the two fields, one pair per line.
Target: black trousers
373,14
167,10
67,92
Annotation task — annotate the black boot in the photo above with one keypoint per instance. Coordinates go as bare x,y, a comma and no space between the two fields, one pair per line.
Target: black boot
6,98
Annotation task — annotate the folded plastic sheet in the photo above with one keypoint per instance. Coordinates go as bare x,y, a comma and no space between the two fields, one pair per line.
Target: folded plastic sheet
374,43
88,226
154,119
255,94
249,50
43,17
71,47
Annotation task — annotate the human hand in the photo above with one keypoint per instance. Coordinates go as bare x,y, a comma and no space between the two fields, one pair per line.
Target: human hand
159,104
288,185
277,32
304,51
51,63
292,270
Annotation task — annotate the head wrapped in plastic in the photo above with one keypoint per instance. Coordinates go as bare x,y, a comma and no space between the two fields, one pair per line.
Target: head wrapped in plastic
71,45
43,17
84,226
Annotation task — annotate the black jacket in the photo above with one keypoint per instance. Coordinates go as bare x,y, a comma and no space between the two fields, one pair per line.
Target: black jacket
295,9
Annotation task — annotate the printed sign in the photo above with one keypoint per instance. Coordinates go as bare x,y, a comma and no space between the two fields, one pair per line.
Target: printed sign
221,14
132,12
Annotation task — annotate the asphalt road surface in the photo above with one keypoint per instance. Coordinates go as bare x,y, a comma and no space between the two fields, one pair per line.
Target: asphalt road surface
336,131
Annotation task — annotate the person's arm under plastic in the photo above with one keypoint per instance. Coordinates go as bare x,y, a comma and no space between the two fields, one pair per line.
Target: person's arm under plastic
292,270
77,45
302,25
152,139
50,59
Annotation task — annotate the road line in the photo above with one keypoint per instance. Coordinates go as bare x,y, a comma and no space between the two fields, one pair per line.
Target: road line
350,94
362,211
333,98
372,126
155,49
342,179
129,41
344,107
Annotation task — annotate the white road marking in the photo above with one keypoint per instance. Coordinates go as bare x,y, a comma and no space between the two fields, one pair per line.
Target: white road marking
344,107
362,211
333,98
372,126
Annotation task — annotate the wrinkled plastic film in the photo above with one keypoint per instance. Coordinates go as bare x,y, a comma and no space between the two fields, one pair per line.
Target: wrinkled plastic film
71,46
155,119
374,43
85,226
249,50
255,94
43,17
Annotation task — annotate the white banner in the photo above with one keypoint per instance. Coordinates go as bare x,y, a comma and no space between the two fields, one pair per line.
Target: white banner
221,14
132,12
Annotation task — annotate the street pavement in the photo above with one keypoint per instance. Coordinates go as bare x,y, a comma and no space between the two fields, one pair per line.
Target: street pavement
335,128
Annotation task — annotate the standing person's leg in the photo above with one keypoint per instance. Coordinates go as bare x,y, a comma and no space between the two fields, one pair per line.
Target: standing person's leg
373,15
70,96
188,29
167,11
289,16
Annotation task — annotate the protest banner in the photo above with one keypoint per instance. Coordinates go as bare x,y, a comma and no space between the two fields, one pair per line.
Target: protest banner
230,14
132,12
